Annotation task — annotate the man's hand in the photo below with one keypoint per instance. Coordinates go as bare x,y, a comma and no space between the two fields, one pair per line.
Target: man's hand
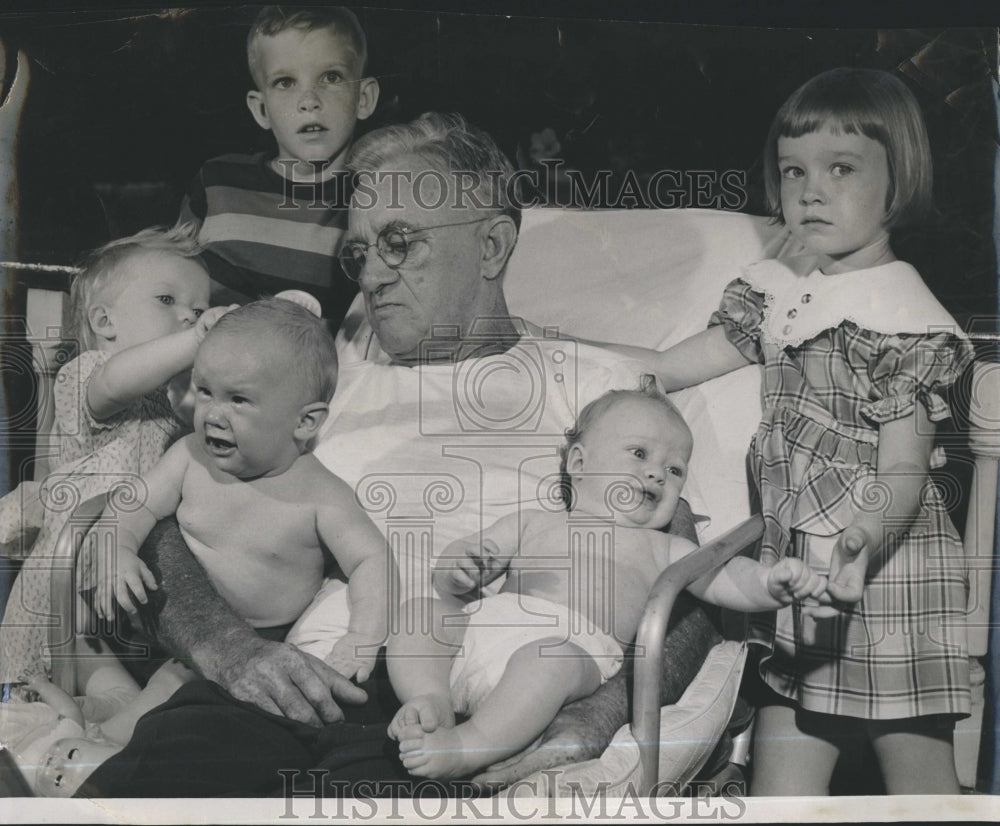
195,624
281,679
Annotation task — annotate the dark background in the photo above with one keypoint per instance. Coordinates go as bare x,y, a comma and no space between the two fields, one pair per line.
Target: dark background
126,105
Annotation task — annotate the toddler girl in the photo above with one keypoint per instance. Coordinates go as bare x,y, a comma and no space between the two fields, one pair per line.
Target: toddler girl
857,356
139,310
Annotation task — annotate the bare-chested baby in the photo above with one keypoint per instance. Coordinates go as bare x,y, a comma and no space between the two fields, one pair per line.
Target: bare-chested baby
258,511
577,581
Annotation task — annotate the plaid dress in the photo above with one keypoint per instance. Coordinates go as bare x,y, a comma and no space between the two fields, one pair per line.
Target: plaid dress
828,384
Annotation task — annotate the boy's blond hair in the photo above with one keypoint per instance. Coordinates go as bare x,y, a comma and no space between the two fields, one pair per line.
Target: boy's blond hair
104,267
274,19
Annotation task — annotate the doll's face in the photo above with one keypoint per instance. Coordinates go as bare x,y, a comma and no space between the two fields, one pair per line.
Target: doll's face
68,763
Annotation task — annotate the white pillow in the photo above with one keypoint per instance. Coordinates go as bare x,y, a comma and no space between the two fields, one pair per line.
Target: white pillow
653,278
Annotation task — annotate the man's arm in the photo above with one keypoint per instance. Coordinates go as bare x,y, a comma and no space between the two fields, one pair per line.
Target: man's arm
193,622
582,730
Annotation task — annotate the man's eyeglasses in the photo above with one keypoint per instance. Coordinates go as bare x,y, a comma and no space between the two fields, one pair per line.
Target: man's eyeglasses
392,246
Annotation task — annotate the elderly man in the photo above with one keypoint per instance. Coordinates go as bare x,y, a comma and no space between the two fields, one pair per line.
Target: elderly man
447,415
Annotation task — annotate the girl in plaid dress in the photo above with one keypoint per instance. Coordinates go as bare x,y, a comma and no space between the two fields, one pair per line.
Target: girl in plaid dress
857,357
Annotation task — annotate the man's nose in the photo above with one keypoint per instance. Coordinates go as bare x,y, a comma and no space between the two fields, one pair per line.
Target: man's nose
375,274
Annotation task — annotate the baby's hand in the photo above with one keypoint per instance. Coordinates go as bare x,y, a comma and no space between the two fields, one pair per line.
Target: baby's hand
121,575
479,566
849,565
791,579
354,656
208,319
303,299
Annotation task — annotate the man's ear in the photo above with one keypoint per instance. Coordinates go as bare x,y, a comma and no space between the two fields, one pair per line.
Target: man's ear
575,458
367,97
311,418
255,103
100,322
500,238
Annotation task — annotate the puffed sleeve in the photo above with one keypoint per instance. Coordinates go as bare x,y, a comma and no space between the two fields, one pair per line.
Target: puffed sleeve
907,369
741,312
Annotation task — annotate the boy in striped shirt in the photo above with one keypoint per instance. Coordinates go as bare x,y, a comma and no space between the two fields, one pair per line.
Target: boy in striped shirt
272,223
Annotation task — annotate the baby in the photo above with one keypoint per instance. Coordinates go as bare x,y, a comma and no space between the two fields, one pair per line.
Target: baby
255,507
576,585
257,510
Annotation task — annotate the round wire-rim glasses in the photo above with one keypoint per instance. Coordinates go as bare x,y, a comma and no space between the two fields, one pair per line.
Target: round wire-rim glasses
391,244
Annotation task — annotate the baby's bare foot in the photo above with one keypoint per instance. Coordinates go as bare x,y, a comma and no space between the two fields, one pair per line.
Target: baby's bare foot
428,712
441,754
447,753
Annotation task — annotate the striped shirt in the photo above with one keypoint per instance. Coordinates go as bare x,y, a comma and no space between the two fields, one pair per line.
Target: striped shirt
264,233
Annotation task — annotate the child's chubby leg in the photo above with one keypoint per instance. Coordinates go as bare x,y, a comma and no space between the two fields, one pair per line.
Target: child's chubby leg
419,659
795,751
916,754
529,695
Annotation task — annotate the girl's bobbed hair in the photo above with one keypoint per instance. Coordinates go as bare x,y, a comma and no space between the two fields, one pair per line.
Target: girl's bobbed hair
865,102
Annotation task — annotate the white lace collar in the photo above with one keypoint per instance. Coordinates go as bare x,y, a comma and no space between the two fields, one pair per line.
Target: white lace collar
800,302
